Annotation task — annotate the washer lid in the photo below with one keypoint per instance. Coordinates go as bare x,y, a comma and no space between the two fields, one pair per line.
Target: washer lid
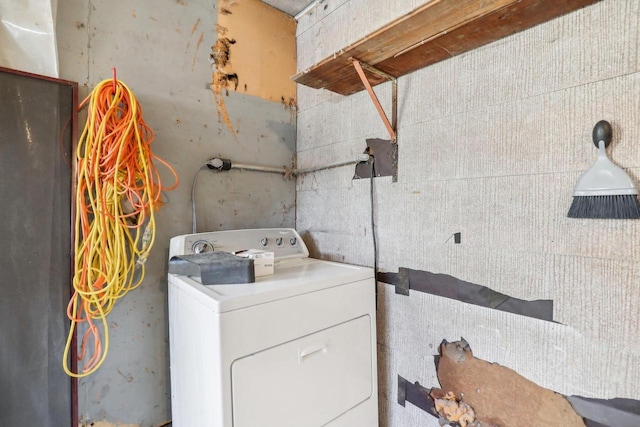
292,278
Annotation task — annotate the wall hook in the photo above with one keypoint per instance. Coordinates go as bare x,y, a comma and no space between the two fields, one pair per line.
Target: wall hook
115,80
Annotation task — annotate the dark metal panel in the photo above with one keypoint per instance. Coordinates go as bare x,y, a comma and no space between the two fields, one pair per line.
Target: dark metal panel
385,154
35,188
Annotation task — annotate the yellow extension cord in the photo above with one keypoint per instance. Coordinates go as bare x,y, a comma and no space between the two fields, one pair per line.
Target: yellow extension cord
118,190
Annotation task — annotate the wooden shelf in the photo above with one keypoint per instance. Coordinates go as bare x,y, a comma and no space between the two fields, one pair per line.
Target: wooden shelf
435,31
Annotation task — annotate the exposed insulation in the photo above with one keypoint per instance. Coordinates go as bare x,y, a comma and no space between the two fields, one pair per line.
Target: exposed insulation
453,409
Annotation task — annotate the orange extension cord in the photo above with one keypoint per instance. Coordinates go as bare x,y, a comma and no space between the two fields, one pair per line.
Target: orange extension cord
118,191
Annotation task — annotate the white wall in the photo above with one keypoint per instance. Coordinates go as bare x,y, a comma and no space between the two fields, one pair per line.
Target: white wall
490,145
155,47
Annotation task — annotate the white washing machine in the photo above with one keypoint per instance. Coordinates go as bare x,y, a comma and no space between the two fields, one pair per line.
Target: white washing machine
296,348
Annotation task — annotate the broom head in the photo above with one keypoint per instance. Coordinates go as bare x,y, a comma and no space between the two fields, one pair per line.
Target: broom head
605,191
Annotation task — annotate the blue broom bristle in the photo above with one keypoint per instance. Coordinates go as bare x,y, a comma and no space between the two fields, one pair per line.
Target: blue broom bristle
615,207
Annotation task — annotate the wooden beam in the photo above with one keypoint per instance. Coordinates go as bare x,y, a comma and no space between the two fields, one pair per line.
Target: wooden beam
433,32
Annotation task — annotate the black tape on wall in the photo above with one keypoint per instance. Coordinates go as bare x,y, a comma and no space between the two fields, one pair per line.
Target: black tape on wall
415,394
450,287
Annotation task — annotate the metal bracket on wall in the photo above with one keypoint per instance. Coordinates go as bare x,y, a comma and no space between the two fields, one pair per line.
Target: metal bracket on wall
391,126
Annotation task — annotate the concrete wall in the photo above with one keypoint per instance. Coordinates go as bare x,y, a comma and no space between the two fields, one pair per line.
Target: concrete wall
161,51
491,144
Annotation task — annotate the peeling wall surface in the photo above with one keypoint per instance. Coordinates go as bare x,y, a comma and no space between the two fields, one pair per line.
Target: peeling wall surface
162,52
491,144
262,49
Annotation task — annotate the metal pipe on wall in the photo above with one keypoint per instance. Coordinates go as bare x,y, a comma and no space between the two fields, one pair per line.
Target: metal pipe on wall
361,158
258,168
307,9
226,164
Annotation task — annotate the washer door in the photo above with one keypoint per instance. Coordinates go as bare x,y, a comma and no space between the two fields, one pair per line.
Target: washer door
306,382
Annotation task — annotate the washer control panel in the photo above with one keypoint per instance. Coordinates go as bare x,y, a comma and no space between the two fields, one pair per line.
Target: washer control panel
283,242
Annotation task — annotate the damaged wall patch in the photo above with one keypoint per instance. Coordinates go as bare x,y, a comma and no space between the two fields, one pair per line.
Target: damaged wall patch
256,49
476,393
499,395
263,54
221,51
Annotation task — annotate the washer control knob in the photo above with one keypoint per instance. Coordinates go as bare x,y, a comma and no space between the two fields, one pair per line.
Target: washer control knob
279,241
264,241
293,241
201,246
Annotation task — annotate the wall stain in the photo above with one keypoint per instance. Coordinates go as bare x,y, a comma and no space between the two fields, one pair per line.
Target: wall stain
219,83
200,40
220,55
289,105
129,378
195,55
285,211
221,30
195,26
104,391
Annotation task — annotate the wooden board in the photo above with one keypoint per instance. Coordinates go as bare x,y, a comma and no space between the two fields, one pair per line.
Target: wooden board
435,31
